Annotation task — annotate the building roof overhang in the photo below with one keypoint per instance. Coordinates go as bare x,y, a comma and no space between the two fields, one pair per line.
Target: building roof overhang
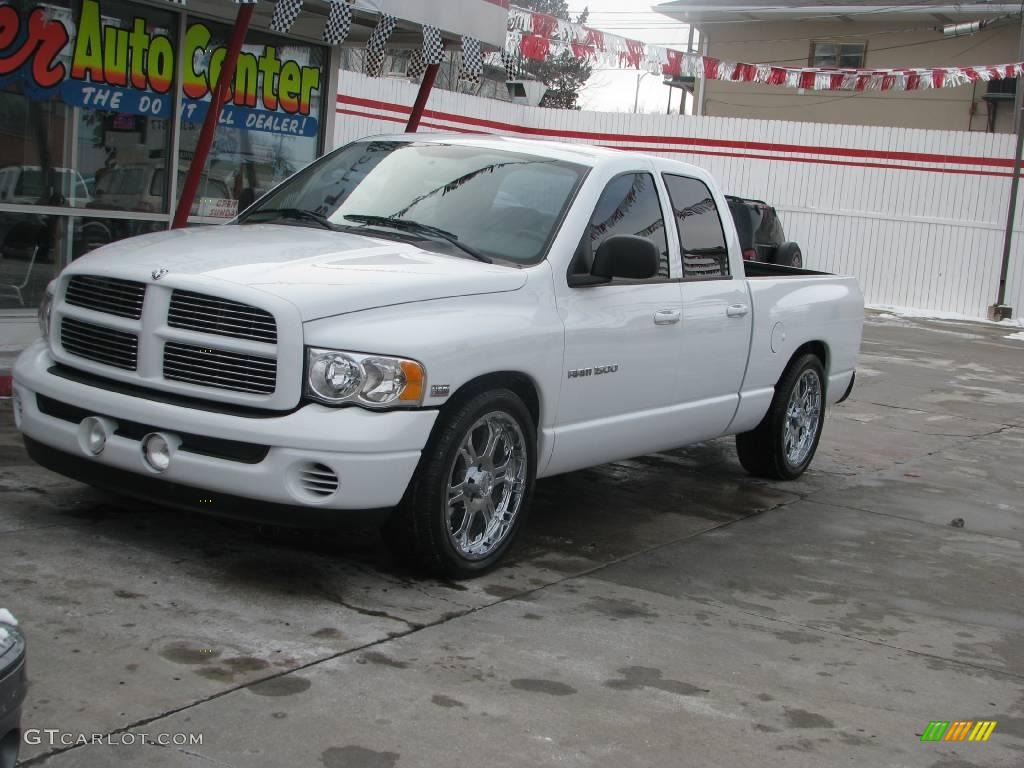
701,12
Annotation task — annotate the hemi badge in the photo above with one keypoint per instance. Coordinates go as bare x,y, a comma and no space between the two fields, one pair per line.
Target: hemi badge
440,390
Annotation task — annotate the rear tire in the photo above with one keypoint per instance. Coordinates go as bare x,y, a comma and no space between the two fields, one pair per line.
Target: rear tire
471,492
782,446
789,255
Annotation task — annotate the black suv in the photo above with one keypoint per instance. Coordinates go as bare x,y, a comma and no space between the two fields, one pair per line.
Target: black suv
761,235
13,685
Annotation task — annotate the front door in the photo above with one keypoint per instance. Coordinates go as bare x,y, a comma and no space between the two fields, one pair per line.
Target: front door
622,341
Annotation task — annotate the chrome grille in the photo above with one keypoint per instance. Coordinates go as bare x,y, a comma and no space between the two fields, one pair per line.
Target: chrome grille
106,294
221,369
102,345
222,317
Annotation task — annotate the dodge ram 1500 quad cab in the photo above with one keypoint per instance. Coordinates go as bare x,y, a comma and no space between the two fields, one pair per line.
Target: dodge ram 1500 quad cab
425,325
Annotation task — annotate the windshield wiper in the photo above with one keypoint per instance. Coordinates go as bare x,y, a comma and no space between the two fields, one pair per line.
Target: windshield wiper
406,225
300,214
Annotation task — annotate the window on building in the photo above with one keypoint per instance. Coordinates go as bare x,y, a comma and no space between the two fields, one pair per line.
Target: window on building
629,205
701,237
835,55
268,130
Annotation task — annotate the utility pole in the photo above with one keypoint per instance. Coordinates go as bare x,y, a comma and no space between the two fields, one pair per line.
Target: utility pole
636,100
1000,310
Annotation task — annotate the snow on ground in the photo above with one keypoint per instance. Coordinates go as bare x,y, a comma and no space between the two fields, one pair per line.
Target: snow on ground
890,312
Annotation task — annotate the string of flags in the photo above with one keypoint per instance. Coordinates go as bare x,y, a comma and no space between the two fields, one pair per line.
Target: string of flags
339,25
536,36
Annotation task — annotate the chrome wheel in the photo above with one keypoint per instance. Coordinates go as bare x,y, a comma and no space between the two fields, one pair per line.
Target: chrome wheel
803,413
486,485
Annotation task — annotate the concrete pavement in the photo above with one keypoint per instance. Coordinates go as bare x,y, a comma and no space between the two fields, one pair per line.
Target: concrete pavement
663,611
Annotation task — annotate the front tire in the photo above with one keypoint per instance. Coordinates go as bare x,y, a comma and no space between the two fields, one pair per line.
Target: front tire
471,492
782,446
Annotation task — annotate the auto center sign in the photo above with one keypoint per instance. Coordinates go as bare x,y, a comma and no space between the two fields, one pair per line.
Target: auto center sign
131,69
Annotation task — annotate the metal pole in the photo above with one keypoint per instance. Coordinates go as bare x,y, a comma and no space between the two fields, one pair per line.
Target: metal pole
636,100
1000,311
220,94
1018,95
421,98
689,49
698,106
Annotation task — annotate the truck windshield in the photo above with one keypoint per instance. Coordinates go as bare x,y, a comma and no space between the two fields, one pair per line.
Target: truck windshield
494,203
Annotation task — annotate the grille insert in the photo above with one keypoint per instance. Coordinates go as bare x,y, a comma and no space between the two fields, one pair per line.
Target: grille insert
318,480
106,294
220,369
222,317
101,345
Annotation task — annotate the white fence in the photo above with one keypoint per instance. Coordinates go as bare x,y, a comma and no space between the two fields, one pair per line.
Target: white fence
917,216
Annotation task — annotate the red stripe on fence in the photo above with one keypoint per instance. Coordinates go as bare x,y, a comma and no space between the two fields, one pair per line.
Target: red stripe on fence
875,154
707,153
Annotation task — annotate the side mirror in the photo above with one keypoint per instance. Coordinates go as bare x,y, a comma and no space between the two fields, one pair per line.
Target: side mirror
626,256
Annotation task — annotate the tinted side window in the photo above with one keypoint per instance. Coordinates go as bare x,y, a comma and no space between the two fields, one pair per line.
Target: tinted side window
701,238
629,205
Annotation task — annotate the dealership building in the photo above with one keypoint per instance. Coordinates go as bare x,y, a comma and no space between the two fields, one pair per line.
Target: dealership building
103,105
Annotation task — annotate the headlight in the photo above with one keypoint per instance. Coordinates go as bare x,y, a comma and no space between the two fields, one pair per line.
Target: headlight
375,381
45,310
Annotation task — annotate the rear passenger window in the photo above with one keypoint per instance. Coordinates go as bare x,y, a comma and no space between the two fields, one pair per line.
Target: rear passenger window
701,237
629,205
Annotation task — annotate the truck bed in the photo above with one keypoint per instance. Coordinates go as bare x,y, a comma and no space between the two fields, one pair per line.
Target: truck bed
755,269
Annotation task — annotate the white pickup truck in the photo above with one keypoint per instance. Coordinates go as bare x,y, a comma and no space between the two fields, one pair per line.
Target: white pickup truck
426,325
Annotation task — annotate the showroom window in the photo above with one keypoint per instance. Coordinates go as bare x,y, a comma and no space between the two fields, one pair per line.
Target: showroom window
269,128
88,151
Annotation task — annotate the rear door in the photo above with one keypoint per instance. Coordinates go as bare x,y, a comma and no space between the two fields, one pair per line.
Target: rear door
717,311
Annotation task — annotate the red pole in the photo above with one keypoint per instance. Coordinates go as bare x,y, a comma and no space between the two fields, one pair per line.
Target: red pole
220,95
421,98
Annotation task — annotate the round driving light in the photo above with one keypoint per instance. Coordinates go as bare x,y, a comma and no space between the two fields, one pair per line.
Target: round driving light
157,450
93,433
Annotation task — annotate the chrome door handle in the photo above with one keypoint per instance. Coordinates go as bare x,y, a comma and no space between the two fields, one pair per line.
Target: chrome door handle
667,317
737,310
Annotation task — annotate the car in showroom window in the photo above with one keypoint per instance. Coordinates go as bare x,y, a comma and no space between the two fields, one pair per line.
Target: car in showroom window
469,200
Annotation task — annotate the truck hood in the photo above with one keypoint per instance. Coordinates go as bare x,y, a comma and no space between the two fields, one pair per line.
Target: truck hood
322,273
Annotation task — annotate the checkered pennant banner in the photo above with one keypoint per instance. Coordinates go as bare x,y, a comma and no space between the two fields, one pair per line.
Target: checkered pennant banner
512,65
246,2
339,23
417,66
285,14
472,61
178,2
433,45
376,46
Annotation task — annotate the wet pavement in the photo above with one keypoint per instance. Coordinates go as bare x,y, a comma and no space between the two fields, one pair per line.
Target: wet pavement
663,611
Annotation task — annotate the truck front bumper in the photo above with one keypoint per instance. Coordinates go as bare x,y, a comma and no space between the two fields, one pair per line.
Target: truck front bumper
219,461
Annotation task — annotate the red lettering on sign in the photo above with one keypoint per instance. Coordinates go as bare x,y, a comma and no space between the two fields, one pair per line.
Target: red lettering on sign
44,41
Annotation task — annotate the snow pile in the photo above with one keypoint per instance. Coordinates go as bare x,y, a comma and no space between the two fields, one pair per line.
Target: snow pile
893,312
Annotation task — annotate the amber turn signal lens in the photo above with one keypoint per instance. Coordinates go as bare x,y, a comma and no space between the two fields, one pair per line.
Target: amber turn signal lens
413,390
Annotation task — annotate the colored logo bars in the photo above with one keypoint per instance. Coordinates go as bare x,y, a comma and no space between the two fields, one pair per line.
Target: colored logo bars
958,730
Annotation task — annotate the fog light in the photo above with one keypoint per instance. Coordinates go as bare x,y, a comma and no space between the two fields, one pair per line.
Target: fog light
93,433
157,450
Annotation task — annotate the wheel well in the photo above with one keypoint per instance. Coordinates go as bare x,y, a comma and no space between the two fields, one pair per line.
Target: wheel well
520,383
816,348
